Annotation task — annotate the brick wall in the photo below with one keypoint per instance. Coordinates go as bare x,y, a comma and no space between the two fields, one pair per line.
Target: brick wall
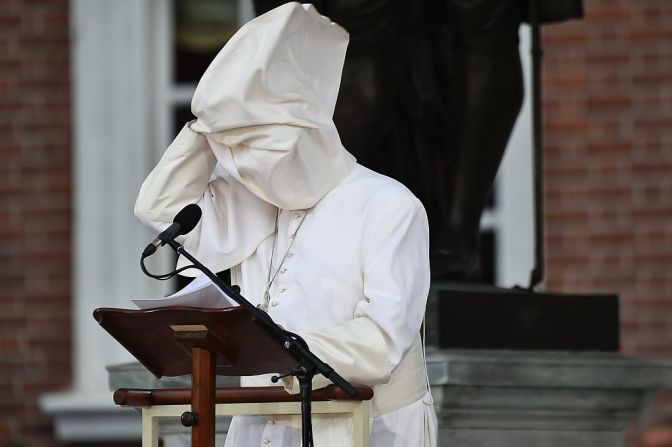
608,123
35,212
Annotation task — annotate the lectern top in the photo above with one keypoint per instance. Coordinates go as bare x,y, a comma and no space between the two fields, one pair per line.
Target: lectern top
161,339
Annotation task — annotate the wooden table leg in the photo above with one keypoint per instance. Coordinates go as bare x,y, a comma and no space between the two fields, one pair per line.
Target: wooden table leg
203,397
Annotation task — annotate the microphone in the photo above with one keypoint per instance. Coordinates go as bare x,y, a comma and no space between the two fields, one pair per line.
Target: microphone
183,223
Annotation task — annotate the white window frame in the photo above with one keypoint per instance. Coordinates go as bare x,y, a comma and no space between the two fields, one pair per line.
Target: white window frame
120,69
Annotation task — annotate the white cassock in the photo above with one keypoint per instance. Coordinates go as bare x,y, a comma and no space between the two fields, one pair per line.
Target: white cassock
354,286
354,283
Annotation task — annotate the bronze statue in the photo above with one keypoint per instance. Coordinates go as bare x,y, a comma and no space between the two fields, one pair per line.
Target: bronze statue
429,96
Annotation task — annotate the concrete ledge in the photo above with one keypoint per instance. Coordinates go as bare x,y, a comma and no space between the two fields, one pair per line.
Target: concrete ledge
509,398
80,416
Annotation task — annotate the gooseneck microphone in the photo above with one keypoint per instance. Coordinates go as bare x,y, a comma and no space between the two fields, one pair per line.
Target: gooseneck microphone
183,223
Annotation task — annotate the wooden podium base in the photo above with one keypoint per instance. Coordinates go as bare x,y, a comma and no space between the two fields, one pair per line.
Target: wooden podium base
262,401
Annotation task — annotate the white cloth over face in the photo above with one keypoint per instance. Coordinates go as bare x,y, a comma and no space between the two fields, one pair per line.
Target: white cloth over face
355,282
266,104
264,114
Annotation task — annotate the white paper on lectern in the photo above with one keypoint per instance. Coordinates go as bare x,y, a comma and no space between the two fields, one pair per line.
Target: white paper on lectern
201,292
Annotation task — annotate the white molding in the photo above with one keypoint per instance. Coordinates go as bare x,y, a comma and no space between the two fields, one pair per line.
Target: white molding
113,133
112,89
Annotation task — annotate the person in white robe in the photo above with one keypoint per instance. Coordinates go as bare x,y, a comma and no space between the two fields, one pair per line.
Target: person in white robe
330,249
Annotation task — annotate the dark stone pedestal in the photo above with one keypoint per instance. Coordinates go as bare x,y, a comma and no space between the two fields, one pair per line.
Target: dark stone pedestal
484,317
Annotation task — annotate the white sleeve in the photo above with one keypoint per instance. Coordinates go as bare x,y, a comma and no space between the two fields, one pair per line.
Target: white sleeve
180,178
396,282
234,220
396,275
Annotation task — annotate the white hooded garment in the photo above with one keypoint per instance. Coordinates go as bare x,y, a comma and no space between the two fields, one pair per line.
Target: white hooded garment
354,280
264,109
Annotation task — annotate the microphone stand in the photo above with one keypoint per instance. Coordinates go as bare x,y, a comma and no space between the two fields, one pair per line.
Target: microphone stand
309,363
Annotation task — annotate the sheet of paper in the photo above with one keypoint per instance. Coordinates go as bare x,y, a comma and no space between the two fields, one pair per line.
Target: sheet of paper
201,292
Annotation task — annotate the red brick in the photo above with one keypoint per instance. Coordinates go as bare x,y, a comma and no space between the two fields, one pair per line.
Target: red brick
569,129
609,103
34,193
652,33
557,40
608,59
657,79
610,239
611,13
624,146
559,80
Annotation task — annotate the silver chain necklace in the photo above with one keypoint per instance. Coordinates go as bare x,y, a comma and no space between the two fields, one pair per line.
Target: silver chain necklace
269,280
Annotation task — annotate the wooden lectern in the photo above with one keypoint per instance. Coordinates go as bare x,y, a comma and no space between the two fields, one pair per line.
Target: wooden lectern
175,341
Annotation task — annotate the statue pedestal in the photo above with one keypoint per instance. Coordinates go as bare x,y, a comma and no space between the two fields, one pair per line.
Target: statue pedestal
479,316
508,398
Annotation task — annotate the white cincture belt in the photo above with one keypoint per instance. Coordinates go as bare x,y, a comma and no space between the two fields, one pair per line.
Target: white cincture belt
407,383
